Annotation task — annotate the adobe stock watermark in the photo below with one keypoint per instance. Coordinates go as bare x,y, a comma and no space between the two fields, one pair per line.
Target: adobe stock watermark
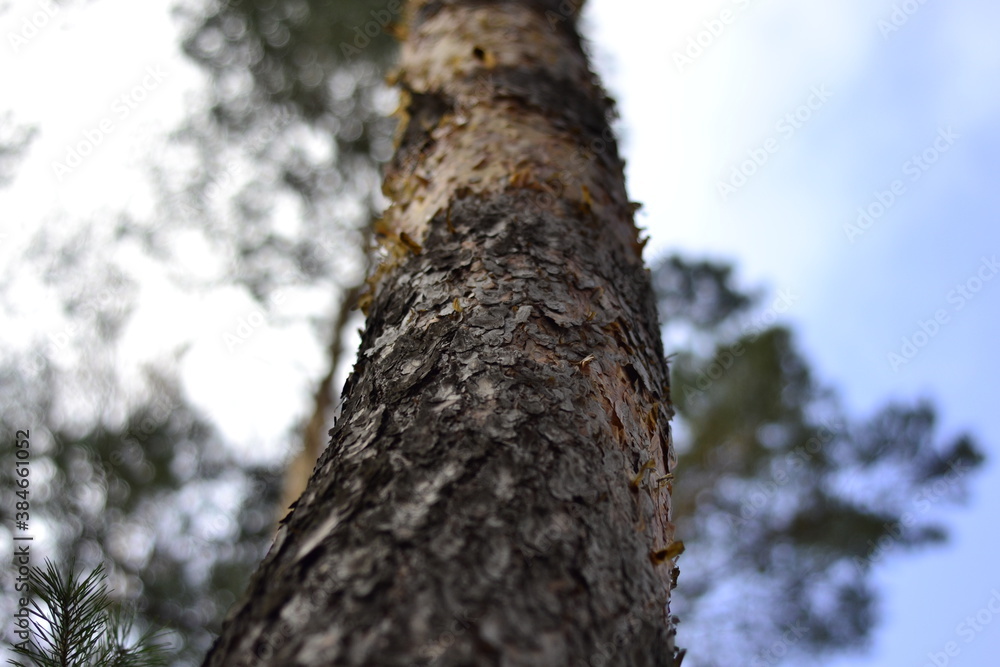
248,325
970,628
914,168
783,472
958,298
460,624
608,652
33,24
567,10
786,127
109,300
927,498
121,108
364,34
559,527
726,358
778,649
139,431
900,15
225,180
711,30
572,174
220,183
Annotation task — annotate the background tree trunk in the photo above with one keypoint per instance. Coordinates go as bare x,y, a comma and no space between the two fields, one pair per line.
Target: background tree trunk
324,399
496,491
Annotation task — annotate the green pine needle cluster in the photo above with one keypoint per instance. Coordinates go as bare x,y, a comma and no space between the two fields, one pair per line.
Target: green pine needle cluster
76,625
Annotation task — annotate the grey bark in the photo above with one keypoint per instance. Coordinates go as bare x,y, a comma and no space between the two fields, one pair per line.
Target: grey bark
496,491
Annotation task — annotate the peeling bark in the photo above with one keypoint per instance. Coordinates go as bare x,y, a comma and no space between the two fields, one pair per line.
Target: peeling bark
497,491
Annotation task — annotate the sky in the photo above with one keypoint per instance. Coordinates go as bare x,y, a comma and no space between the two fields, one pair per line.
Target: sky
842,154
846,153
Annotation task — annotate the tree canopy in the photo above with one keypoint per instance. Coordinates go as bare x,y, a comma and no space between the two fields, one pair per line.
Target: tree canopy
785,502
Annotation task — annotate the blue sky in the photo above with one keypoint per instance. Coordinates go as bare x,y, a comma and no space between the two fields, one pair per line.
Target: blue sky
893,86
821,104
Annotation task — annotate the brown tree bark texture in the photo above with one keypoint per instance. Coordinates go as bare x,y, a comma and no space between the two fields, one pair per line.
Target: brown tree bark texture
497,490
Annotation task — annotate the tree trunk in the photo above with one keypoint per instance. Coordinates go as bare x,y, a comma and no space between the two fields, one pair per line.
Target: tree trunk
497,489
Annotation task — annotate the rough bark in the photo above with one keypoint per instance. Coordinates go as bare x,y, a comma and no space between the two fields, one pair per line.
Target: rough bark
496,491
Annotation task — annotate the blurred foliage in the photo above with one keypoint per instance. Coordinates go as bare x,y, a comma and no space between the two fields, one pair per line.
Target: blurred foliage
296,53
315,66
699,293
276,186
277,168
783,502
14,141
157,497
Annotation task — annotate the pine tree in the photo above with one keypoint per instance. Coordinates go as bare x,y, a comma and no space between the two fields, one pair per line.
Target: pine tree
497,489
76,625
